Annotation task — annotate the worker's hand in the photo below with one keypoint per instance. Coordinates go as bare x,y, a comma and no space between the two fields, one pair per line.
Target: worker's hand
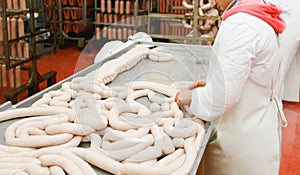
197,83
183,97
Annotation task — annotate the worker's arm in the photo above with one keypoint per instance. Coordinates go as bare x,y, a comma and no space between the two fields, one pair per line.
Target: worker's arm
233,51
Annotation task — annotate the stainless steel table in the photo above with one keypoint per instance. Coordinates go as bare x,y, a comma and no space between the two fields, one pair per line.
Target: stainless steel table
191,63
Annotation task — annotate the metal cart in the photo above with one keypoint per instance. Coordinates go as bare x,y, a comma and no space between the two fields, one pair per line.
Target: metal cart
191,63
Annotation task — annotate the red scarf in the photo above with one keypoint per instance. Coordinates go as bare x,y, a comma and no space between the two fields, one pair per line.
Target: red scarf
266,11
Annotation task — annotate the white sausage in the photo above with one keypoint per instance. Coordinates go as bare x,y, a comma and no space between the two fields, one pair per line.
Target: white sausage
113,135
161,88
58,160
190,156
72,128
98,159
160,100
125,153
36,111
160,56
57,170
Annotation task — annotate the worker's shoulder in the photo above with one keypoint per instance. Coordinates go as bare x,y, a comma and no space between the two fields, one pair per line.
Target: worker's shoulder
244,20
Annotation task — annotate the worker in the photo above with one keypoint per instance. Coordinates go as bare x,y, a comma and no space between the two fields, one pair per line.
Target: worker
289,42
239,98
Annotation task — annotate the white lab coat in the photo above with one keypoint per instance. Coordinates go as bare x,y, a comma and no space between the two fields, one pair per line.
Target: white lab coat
237,101
290,50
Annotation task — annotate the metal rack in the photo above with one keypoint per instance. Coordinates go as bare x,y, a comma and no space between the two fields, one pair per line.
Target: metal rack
194,36
62,35
28,62
131,21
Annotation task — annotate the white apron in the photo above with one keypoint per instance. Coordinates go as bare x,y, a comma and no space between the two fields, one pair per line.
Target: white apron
249,134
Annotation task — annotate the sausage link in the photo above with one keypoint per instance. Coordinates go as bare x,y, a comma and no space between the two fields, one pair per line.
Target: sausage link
26,50
98,17
4,78
23,4
121,7
21,27
1,32
127,7
97,33
104,32
15,4
8,28
18,76
9,4
13,50
114,33
11,77
102,7
116,8
119,33
108,6
13,23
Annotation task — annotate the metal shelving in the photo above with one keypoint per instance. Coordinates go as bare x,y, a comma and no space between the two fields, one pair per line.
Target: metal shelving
156,17
80,36
108,22
24,58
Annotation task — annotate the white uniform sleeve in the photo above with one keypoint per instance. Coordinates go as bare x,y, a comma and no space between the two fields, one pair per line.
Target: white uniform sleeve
234,49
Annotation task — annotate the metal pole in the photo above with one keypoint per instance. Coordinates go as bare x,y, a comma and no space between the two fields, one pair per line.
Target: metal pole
5,35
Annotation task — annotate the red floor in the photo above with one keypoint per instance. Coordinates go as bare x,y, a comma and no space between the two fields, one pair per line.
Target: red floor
68,61
291,140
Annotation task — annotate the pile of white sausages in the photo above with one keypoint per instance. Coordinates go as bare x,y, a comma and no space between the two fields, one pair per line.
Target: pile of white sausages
125,136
